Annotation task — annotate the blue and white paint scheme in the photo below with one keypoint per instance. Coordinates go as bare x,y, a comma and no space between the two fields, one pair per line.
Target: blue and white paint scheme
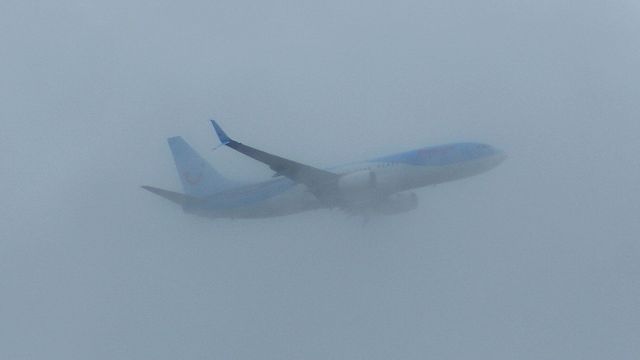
377,186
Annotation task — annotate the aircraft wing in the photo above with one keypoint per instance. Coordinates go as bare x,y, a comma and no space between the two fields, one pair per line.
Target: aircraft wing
322,183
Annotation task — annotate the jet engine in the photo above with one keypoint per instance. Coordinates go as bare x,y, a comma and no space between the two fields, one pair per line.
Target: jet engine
357,182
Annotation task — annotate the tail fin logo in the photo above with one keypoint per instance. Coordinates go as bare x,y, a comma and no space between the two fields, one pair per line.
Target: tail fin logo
192,178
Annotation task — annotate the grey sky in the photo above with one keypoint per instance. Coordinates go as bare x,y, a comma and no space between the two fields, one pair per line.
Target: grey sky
537,259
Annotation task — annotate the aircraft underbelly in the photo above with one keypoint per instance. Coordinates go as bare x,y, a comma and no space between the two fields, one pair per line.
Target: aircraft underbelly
294,200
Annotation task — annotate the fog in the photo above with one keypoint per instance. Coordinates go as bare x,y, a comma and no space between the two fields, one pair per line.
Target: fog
537,259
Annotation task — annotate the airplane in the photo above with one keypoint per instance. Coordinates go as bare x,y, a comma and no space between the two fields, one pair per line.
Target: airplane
378,186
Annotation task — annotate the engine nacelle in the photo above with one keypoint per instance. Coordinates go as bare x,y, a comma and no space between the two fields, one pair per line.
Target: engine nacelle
357,182
398,203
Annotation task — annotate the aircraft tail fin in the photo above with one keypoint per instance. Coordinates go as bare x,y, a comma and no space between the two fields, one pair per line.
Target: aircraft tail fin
198,177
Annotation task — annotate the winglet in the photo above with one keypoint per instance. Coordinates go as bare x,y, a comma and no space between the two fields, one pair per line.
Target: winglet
224,139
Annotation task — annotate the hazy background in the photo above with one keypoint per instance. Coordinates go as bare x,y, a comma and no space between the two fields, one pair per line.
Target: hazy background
538,259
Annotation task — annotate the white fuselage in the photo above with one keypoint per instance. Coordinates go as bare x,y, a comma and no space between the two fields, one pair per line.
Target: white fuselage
282,197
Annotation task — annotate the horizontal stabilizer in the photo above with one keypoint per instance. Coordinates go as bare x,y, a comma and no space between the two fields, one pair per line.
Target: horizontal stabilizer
180,199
